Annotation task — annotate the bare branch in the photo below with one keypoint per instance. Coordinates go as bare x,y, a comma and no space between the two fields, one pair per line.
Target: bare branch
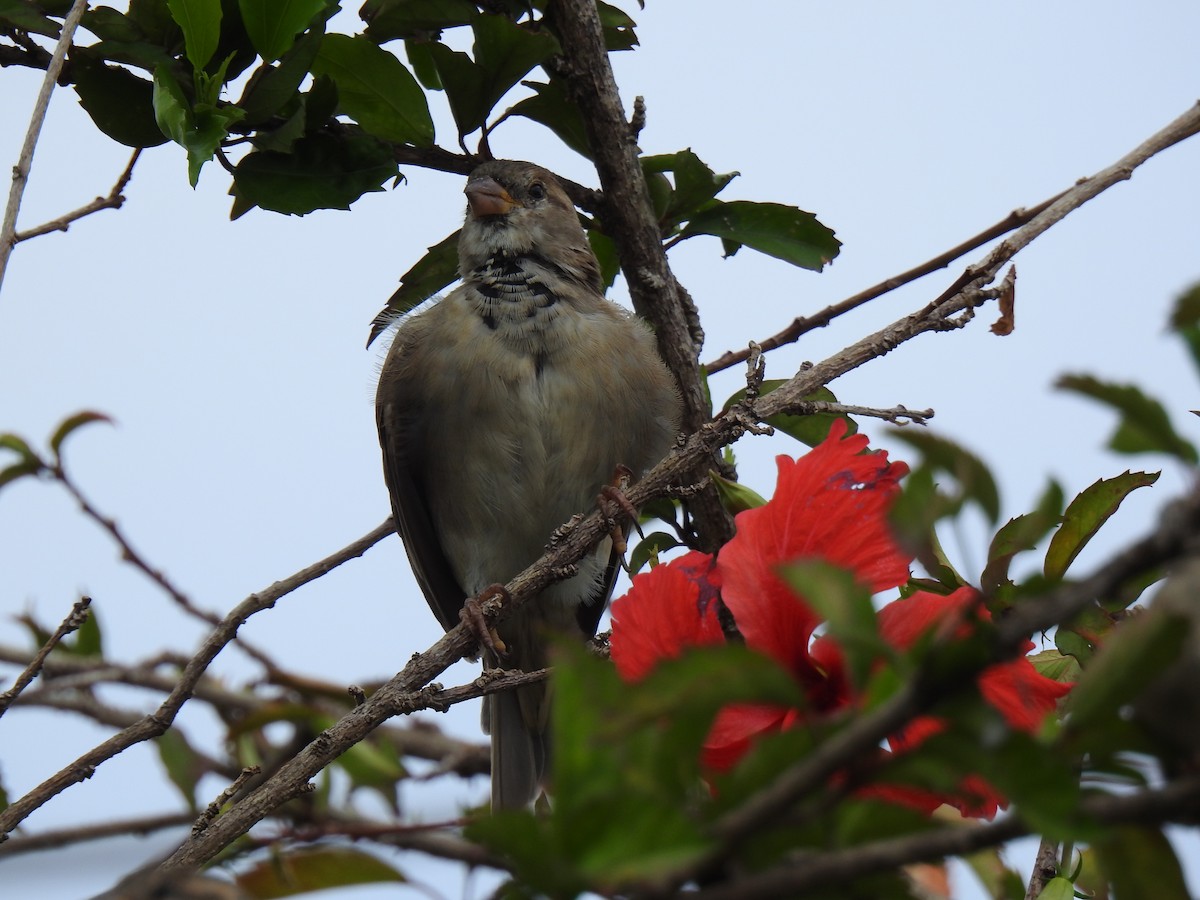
76,617
114,200
21,169
153,725
65,837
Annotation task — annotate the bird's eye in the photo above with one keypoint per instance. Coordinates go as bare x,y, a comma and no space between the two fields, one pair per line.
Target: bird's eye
537,191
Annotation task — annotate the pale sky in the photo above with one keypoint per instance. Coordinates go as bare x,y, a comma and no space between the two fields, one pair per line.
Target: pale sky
231,354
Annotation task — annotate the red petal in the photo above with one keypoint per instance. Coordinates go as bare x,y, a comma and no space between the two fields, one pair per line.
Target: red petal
831,504
736,728
666,610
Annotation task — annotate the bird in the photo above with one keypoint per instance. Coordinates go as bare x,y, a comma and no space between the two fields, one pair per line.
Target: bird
503,410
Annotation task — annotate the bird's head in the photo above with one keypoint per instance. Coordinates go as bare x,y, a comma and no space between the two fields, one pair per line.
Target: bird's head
518,209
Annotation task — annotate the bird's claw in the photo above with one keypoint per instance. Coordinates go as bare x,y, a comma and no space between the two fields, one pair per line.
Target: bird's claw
474,618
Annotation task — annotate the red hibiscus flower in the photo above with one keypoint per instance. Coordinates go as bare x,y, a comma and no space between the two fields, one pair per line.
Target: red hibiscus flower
829,505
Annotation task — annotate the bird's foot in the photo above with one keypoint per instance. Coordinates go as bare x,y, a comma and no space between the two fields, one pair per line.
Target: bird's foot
615,494
474,617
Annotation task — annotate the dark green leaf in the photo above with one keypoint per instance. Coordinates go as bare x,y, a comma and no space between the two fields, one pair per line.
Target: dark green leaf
1084,516
551,106
201,24
184,766
109,25
390,19
617,26
1016,536
321,172
1140,864
648,550
313,869
153,17
25,16
273,24
809,429
376,90
70,424
974,479
87,640
1185,319
433,271
421,61
695,183
270,87
1144,427
19,470
606,255
141,54
784,232
120,103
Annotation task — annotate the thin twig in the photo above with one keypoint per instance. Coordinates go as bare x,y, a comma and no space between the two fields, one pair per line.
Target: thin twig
21,170
114,200
76,617
802,325
155,724
64,837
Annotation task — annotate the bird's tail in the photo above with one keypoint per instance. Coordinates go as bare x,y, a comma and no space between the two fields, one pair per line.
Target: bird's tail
520,745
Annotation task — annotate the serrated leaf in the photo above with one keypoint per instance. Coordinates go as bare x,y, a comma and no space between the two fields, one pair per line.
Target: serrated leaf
974,478
307,870
200,21
1019,534
322,172
25,16
551,106
433,271
273,24
695,183
270,87
184,766
1144,426
120,104
390,19
785,232
1185,320
1084,516
376,90
71,424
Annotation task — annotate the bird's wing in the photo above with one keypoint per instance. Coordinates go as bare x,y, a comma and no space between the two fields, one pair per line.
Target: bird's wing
396,414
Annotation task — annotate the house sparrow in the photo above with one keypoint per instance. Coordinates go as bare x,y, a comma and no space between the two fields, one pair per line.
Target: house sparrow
503,410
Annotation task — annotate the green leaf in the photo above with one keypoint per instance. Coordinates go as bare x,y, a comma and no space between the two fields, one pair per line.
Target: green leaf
109,25
322,172
1185,320
845,604
70,424
1057,888
273,24
1016,536
735,496
1140,864
785,232
606,255
390,19
88,640
617,27
119,103
421,62
649,549
1144,427
504,54
376,90
201,24
270,87
25,16
199,129
433,271
974,479
184,766
809,429
551,106
1056,666
312,869
1086,513
695,183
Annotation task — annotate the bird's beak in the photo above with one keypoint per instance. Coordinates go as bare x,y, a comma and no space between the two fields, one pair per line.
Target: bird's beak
487,198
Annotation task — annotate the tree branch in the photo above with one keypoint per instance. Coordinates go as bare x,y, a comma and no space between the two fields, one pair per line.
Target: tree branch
21,170
156,723
629,220
114,200
76,617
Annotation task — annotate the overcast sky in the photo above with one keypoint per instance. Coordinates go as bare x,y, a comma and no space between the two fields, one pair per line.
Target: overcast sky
231,354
